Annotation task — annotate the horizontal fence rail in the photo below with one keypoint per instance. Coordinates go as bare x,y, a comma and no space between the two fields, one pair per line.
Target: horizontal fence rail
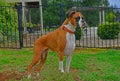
18,29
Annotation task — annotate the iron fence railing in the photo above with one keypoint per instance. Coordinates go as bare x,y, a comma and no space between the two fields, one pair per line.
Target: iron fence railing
9,33
14,33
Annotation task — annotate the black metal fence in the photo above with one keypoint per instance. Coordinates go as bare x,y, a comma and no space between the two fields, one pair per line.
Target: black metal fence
9,33
17,31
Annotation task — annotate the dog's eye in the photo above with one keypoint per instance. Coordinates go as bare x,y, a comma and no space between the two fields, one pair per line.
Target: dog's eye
82,18
77,18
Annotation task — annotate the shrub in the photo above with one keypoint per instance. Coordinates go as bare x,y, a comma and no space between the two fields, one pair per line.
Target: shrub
78,33
30,24
108,30
110,17
8,22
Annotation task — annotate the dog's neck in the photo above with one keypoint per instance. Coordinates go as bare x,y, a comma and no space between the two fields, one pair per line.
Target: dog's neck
70,26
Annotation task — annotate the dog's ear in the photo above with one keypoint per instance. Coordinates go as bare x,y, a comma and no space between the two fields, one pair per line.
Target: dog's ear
70,12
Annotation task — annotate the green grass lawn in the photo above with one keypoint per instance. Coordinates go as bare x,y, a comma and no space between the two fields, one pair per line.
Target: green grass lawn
86,65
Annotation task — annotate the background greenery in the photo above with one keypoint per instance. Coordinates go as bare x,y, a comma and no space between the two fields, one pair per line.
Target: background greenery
78,33
8,22
108,30
54,11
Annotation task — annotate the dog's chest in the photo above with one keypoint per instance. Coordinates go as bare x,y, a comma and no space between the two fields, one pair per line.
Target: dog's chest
70,43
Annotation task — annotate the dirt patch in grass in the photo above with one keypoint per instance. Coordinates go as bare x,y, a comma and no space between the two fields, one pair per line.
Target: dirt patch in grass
74,70
88,50
76,78
11,75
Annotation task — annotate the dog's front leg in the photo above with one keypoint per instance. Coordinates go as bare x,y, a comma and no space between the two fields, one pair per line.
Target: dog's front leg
68,60
61,61
61,66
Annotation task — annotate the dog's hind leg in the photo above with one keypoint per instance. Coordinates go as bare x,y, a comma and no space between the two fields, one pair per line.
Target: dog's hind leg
42,61
37,56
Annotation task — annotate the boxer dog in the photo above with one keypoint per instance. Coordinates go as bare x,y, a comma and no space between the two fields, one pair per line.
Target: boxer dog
61,40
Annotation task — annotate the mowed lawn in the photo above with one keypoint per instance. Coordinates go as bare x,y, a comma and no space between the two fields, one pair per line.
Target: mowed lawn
86,65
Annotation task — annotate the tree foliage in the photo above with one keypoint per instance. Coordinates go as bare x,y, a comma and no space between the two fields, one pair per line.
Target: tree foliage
8,20
110,17
54,11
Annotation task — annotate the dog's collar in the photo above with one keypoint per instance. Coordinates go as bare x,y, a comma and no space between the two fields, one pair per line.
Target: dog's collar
67,30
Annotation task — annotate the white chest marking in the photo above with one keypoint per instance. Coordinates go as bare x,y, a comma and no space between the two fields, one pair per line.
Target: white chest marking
70,43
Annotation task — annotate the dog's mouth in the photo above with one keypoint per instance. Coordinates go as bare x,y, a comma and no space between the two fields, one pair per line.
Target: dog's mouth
84,25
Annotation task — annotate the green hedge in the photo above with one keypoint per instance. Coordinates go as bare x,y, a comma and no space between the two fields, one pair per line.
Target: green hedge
8,22
78,33
108,30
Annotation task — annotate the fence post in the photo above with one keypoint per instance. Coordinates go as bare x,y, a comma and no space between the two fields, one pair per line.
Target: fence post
61,12
19,10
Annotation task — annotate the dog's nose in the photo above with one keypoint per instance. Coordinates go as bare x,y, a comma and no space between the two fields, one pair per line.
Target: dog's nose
82,21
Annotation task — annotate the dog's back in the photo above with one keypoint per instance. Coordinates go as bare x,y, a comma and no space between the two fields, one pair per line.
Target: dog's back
55,40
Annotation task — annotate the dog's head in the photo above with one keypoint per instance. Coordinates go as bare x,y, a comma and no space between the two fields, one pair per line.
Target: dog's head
76,18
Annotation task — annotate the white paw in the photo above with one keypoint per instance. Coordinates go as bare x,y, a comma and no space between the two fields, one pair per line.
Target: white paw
37,74
62,71
29,76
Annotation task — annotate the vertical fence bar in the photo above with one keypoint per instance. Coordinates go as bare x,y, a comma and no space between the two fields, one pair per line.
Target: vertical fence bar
61,12
41,15
3,30
19,8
